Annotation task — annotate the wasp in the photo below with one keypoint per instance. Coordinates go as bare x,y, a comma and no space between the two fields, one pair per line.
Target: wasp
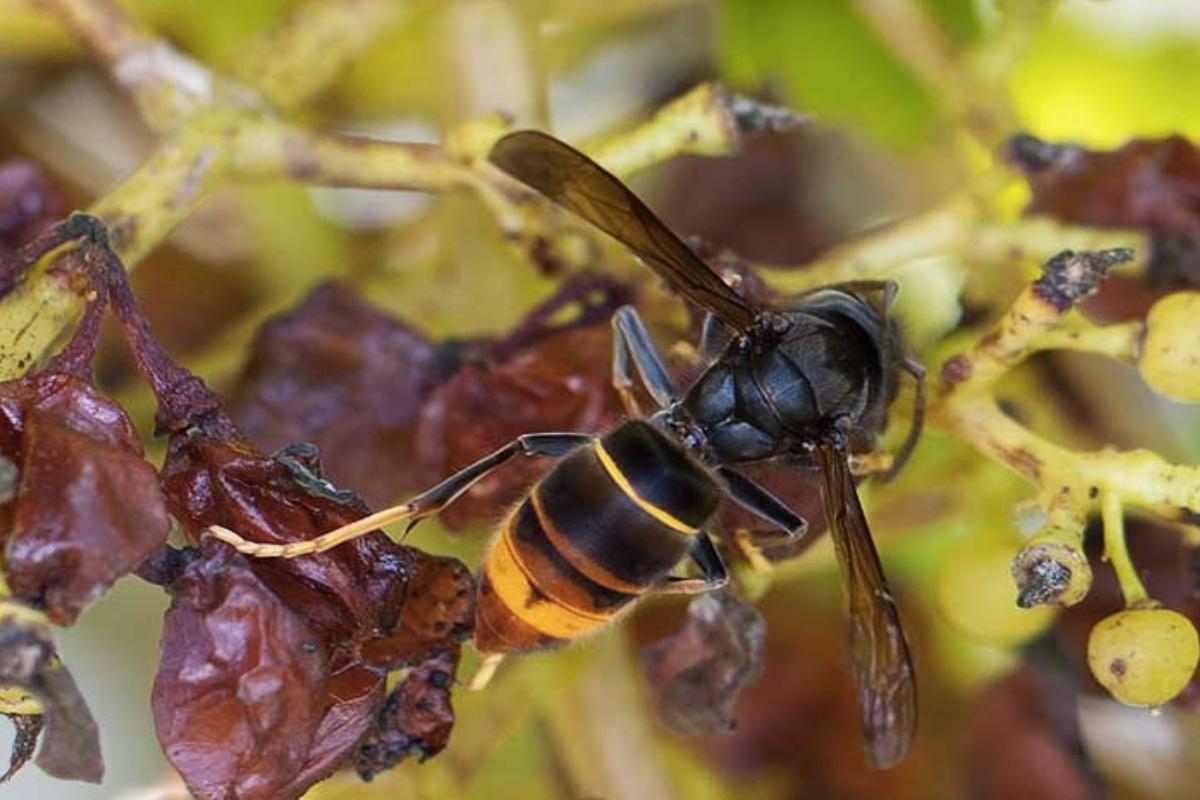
804,381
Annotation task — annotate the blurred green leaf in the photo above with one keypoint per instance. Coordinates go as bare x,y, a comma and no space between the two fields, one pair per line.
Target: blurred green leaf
959,19
520,767
216,31
827,60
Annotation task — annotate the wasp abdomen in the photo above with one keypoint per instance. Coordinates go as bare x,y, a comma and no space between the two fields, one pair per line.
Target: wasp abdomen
609,522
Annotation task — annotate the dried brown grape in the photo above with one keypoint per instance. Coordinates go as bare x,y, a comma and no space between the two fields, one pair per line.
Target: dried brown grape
1023,741
243,684
417,717
1146,183
343,375
697,673
559,384
84,507
272,670
368,606
28,203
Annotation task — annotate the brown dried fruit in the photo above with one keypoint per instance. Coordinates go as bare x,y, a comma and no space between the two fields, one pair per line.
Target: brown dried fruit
272,670
341,374
353,594
83,507
1024,741
1146,183
28,203
561,383
87,509
243,685
417,717
697,673
368,606
754,201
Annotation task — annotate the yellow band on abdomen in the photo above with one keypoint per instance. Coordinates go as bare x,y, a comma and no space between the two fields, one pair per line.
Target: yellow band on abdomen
618,477
514,588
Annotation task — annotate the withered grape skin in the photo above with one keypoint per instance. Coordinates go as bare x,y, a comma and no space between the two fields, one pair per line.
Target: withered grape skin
696,674
561,383
1144,656
1146,183
87,509
240,674
28,203
371,606
1023,740
417,717
339,373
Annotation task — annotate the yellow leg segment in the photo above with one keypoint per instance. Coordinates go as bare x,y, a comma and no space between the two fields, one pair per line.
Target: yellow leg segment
487,670
325,541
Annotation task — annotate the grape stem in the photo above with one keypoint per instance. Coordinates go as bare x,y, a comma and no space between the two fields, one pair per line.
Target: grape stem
222,128
1041,318
966,407
1117,552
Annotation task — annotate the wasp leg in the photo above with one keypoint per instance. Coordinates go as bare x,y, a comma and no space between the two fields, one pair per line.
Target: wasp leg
423,505
757,500
486,671
632,340
918,420
712,567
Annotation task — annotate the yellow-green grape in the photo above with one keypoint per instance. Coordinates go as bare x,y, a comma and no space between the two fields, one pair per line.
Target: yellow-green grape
1144,656
976,594
1170,357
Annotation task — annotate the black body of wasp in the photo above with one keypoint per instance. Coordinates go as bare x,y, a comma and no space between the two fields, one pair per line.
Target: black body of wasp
831,357
806,382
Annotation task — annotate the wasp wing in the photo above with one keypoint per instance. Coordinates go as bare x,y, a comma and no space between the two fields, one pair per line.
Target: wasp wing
882,666
572,180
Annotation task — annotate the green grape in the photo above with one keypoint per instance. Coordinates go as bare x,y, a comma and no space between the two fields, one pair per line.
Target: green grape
1144,656
976,594
1170,356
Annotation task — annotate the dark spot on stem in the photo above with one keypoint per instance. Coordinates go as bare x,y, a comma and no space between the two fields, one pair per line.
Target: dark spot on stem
956,370
1043,583
1117,667
1069,277
1031,154
751,116
1023,461
28,728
